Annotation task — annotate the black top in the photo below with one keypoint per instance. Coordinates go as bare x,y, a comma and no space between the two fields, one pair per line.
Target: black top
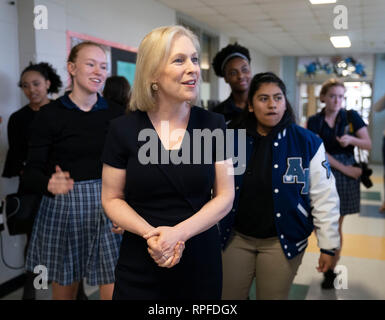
190,183
228,109
64,135
18,133
164,195
255,214
318,125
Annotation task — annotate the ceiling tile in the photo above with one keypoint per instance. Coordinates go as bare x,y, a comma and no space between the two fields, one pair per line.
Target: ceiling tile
239,9
226,2
177,4
280,26
197,11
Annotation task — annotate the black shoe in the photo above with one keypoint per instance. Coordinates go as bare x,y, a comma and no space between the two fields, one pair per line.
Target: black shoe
29,292
81,294
328,282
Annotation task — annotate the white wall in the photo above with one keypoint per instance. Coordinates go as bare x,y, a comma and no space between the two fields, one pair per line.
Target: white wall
259,62
9,102
123,21
275,65
377,124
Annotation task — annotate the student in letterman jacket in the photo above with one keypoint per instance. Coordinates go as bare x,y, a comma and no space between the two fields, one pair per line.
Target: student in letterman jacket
286,191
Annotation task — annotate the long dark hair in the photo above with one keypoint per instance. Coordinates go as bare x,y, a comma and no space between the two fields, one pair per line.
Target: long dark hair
248,118
48,73
117,89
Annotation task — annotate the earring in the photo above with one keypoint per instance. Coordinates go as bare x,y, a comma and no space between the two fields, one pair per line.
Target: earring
154,87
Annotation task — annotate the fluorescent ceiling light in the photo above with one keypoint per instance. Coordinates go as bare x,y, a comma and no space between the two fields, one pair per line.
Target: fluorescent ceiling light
341,42
322,1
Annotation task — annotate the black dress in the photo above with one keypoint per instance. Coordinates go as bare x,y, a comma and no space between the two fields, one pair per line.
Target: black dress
165,195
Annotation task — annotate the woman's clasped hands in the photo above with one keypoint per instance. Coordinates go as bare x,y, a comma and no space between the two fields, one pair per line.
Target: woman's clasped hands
165,246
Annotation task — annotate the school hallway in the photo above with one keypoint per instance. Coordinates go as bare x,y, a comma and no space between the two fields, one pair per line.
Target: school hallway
362,261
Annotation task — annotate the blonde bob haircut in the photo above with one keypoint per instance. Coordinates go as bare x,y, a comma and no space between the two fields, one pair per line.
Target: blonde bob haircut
333,82
153,52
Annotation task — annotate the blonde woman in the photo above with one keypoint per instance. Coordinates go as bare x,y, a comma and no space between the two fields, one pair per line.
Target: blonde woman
170,248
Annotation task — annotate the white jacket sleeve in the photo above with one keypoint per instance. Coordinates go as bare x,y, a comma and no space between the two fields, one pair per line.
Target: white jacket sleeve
324,201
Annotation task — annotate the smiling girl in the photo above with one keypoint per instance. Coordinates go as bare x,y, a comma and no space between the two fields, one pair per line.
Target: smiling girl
72,237
233,64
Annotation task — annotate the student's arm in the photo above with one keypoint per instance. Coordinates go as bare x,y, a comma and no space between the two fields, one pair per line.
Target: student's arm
326,207
361,140
347,170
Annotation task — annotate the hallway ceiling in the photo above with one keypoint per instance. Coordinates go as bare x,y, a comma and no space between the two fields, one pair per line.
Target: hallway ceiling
291,27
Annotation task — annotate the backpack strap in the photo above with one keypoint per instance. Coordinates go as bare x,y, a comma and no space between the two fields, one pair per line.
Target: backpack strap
350,122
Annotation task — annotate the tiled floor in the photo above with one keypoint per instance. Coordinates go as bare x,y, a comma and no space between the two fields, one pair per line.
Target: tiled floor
362,261
363,253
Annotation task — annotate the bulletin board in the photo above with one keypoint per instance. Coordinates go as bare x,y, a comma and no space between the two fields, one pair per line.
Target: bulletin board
121,59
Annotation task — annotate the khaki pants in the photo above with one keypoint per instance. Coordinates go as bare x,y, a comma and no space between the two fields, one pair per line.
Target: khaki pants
248,257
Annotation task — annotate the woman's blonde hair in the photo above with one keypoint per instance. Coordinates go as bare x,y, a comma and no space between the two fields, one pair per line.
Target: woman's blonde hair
152,55
333,82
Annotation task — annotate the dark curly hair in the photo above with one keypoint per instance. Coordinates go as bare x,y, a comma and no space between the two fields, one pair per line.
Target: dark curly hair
48,72
222,55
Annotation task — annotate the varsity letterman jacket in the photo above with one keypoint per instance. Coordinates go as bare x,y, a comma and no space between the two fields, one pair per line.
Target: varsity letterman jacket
304,192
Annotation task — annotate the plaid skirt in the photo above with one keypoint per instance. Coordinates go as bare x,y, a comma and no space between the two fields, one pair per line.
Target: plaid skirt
348,188
72,237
